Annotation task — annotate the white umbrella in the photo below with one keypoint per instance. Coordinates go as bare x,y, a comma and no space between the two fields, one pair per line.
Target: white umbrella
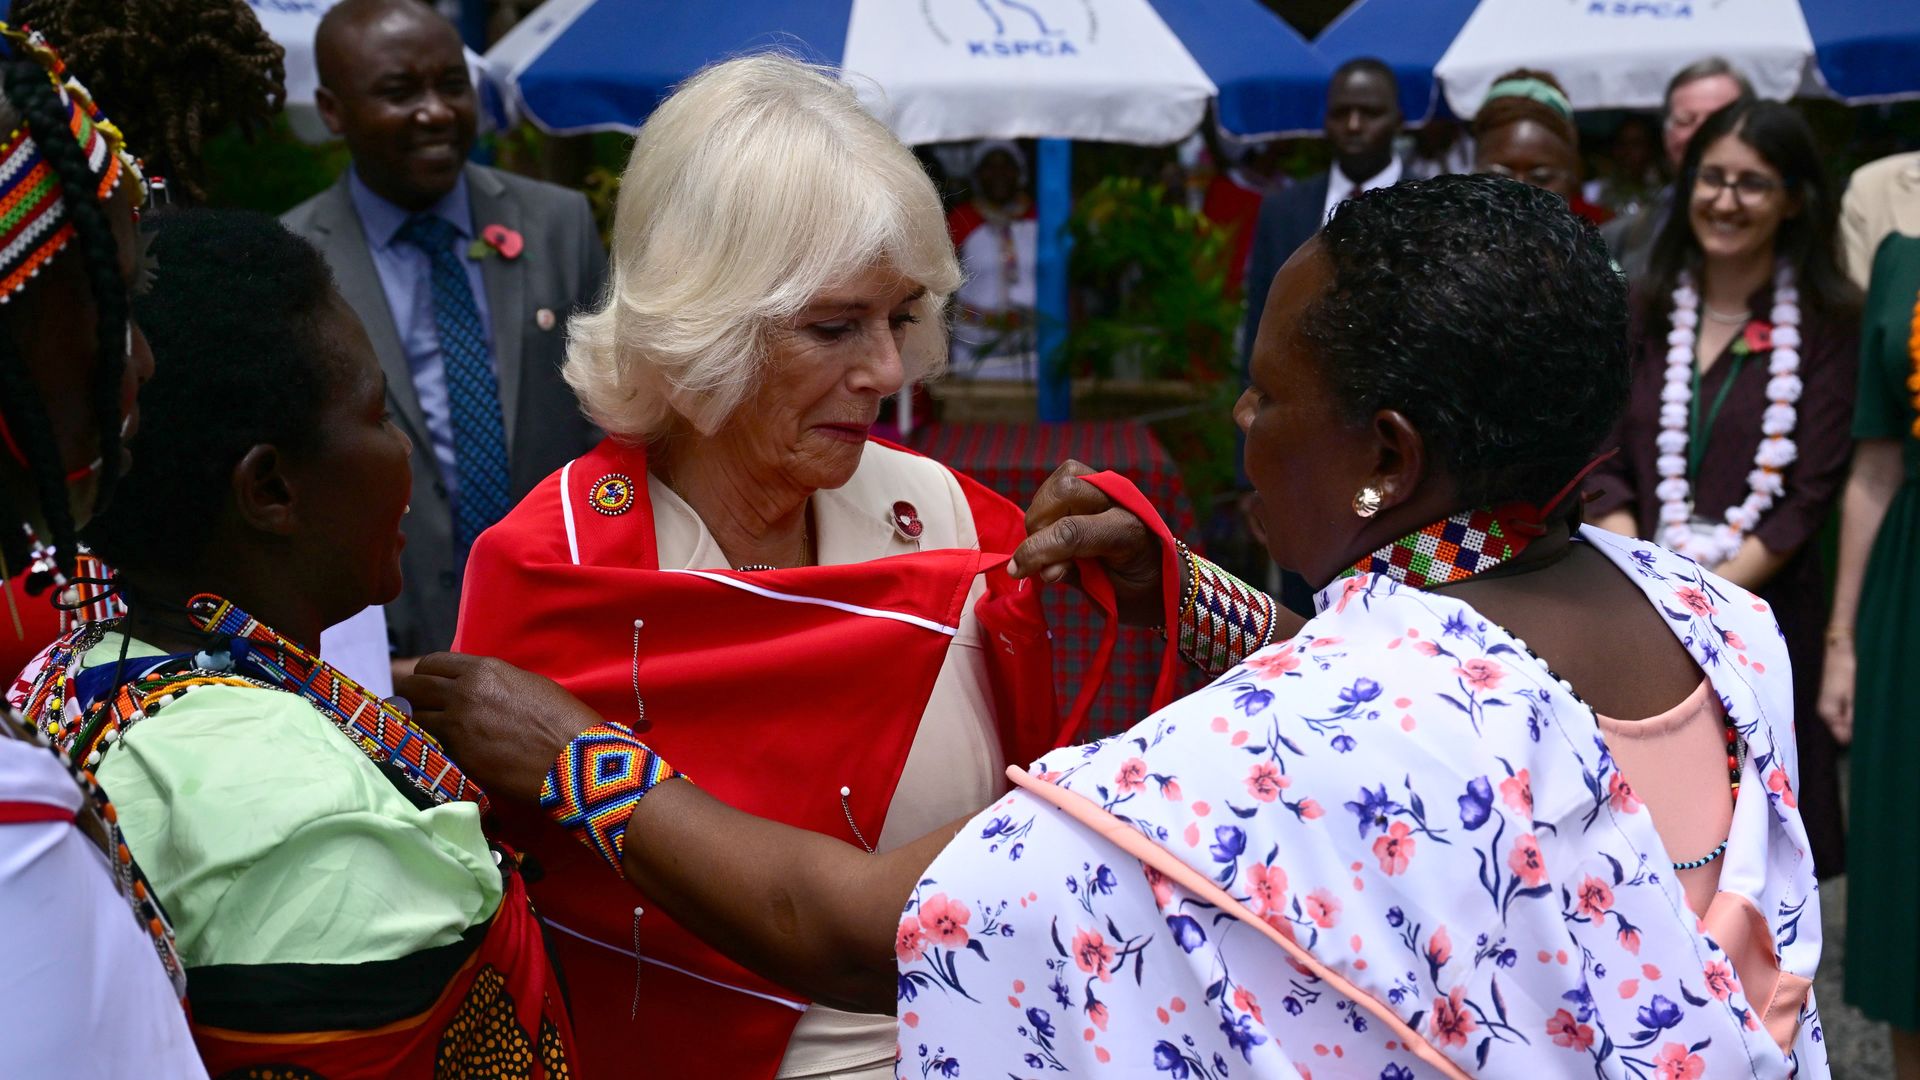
1614,54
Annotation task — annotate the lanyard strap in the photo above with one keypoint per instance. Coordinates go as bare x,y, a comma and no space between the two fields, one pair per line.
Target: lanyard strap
1697,442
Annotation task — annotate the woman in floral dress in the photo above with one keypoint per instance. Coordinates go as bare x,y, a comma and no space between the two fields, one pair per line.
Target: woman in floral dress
1397,841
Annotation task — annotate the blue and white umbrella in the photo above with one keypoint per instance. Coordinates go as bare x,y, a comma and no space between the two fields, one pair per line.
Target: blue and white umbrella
1137,71
1619,54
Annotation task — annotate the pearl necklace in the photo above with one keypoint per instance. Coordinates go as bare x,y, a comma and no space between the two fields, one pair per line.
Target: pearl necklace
1708,543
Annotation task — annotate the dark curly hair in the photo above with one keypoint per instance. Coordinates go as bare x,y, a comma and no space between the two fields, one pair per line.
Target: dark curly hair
176,71
1489,315
234,320
25,84
1808,240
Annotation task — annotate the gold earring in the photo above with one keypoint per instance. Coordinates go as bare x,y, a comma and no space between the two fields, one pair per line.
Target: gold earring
1367,502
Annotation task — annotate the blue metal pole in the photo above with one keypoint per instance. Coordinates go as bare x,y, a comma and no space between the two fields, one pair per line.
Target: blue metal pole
1055,201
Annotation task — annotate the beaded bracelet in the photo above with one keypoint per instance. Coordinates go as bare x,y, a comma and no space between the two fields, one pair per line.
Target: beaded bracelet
1223,620
597,781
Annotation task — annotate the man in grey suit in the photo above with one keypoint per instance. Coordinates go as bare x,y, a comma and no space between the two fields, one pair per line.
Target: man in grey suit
464,277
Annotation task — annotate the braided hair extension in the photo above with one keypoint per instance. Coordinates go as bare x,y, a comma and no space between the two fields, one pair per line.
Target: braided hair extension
176,71
27,88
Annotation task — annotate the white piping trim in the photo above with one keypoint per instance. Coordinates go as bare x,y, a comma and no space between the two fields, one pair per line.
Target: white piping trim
853,609
794,1005
566,511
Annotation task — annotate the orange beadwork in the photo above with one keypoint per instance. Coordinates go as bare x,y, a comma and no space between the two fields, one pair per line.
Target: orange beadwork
1913,350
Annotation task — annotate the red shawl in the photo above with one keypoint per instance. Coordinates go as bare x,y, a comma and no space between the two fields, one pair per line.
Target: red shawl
772,690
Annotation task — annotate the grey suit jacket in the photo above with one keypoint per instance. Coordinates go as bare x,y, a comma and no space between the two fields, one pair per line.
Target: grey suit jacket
559,270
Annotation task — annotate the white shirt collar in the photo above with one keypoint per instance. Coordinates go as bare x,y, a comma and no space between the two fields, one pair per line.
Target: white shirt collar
1339,187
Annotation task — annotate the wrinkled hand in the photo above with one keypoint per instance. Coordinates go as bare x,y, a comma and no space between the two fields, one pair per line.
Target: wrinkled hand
1071,519
1836,691
504,726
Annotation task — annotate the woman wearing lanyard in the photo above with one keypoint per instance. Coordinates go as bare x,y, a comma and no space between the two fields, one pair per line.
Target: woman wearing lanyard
1735,441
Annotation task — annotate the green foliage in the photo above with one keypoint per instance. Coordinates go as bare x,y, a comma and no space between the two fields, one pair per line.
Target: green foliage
273,173
1155,273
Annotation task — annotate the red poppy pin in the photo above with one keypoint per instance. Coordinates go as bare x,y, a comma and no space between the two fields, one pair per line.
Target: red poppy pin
1759,336
497,239
906,521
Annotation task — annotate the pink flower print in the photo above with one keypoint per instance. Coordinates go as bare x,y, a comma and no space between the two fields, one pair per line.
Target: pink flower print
1162,888
1778,783
1676,1062
1452,1023
1526,862
1721,981
1265,782
1097,1012
1310,809
1170,791
1092,953
1272,665
1439,947
1595,898
1132,776
1734,641
1323,909
910,941
1620,794
1395,849
1630,940
1517,791
1695,601
1354,587
1244,1000
1426,648
1267,887
1569,1032
945,921
1481,675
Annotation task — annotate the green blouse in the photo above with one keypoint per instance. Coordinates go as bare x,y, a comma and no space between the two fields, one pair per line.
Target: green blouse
1884,408
270,838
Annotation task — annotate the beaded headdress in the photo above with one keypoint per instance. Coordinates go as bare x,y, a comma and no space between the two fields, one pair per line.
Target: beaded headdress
34,225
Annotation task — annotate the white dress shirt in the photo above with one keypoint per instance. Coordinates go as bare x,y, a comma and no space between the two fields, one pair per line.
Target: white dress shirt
1339,187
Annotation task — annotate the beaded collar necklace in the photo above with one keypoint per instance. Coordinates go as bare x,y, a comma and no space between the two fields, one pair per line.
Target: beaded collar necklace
1452,549
1473,542
86,716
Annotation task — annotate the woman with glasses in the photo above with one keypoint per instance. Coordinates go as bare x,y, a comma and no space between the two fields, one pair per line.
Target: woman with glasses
1735,442
1524,131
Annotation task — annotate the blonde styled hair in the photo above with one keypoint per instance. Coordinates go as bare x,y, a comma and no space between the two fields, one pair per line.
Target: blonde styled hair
757,185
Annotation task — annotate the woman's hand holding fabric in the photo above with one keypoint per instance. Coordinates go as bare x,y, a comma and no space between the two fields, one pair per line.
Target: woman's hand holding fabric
503,725
1070,519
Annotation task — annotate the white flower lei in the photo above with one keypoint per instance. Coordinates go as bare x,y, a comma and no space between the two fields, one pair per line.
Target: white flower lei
1711,544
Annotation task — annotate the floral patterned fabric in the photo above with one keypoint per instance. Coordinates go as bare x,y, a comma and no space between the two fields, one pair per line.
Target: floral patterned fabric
1414,798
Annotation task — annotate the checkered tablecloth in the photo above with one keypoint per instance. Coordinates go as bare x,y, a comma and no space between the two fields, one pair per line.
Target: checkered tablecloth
1014,459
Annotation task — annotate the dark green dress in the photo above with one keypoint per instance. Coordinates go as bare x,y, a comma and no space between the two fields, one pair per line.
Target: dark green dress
1883,872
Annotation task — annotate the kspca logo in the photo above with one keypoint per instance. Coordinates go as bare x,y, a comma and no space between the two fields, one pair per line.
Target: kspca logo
1012,29
1645,9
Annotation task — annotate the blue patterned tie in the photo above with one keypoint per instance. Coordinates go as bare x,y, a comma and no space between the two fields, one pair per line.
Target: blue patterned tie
479,434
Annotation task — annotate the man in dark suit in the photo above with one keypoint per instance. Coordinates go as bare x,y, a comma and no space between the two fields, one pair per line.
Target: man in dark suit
1363,118
464,277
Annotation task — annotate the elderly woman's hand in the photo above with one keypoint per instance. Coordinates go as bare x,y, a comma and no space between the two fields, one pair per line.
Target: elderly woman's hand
1071,519
504,726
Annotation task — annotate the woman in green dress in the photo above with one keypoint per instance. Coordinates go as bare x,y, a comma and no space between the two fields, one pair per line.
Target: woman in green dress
1874,603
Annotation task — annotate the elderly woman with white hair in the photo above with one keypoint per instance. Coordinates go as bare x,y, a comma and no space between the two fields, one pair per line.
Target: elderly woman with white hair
780,265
